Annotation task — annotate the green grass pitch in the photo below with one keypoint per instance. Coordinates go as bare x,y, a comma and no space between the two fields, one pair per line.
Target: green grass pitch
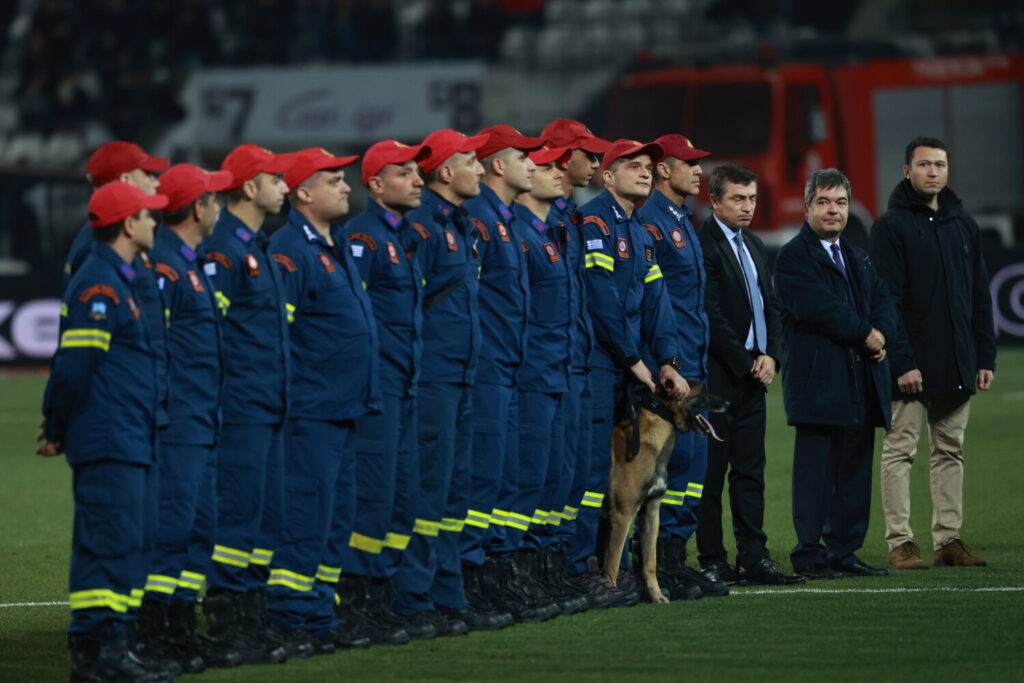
940,624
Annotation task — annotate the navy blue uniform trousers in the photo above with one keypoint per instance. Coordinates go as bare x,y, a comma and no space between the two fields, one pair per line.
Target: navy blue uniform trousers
540,422
577,411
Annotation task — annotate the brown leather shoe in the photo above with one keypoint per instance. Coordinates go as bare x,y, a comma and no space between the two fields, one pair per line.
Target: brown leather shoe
956,554
907,556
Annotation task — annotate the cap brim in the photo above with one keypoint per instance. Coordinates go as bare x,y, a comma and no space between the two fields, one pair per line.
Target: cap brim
472,144
279,164
594,145
156,201
526,144
691,154
651,149
558,155
219,181
155,164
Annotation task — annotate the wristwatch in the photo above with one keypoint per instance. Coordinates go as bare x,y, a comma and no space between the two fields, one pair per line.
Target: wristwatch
674,362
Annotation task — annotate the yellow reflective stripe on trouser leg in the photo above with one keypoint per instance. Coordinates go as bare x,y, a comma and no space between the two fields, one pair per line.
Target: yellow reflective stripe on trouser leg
328,574
695,490
592,499
365,543
454,525
261,556
426,527
135,599
158,583
518,521
288,579
191,580
539,517
673,497
499,517
397,541
480,520
570,513
100,597
232,556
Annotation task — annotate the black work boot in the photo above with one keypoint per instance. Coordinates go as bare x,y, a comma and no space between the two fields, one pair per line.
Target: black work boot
481,614
226,630
296,642
379,593
181,620
524,578
667,572
687,577
494,584
602,593
104,655
570,599
350,610
150,645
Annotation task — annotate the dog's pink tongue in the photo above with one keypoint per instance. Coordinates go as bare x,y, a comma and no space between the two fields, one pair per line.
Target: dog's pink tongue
702,421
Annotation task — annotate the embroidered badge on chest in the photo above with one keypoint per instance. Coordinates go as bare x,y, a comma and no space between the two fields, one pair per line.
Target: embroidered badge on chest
252,264
392,252
649,253
552,252
622,247
327,264
677,238
197,284
503,231
449,238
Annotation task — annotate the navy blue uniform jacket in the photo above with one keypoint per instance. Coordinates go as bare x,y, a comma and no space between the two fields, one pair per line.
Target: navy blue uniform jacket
564,215
822,332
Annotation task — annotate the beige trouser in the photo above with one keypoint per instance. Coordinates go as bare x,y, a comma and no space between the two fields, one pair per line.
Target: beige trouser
947,420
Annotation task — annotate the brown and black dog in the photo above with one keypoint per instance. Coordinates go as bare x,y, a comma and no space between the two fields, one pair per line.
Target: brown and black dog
642,444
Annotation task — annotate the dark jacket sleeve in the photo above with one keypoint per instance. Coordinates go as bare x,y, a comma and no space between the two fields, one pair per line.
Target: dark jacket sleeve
606,309
883,303
888,255
658,321
725,346
811,302
981,303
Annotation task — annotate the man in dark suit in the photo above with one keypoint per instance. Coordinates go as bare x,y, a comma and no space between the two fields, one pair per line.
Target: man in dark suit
743,360
837,314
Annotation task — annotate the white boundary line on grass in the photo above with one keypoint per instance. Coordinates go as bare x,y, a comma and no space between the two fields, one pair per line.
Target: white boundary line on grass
783,591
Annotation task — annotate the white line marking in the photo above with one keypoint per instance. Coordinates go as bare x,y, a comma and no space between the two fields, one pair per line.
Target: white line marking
832,591
33,604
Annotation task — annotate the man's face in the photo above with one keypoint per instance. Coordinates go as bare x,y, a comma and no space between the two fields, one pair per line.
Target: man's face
519,170
828,211
683,176
270,192
401,186
581,167
736,206
547,182
142,226
928,171
631,178
209,213
328,194
144,180
466,174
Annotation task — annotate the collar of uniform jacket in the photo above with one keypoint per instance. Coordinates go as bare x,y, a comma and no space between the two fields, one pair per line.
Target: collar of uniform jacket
680,213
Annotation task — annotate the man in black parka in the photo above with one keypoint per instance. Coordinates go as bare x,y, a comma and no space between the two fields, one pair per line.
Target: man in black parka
928,250
837,315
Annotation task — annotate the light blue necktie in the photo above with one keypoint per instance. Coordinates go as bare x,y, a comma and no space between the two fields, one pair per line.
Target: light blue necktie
753,294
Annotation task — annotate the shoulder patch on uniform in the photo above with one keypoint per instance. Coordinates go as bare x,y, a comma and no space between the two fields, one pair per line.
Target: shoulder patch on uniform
99,290
286,262
168,272
654,230
219,258
421,231
598,222
485,235
363,237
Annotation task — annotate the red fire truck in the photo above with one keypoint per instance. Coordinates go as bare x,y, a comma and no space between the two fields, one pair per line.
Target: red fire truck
788,119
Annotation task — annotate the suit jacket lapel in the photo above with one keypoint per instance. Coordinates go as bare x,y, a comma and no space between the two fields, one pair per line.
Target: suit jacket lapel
726,251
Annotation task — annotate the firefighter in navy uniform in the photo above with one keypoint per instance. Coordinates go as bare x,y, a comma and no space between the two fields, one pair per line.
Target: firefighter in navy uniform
255,397
430,575
678,252
625,299
334,381
100,408
187,450
504,302
577,173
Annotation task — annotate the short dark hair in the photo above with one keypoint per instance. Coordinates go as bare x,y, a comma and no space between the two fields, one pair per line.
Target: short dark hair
826,179
923,141
105,234
729,173
179,216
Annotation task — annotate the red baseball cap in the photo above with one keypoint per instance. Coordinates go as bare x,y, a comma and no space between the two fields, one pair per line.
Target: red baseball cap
503,136
546,155
446,142
116,201
630,148
247,161
113,159
185,183
680,147
574,135
308,161
390,152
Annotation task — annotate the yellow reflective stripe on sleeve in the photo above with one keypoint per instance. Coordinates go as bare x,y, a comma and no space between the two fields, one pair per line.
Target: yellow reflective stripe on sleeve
517,521
449,524
261,556
673,497
329,574
481,520
85,338
167,317
100,597
592,499
156,583
226,555
63,310
595,258
364,285
290,310
694,490
499,517
653,273
191,580
283,577
426,528
397,541
365,543
223,303
135,599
